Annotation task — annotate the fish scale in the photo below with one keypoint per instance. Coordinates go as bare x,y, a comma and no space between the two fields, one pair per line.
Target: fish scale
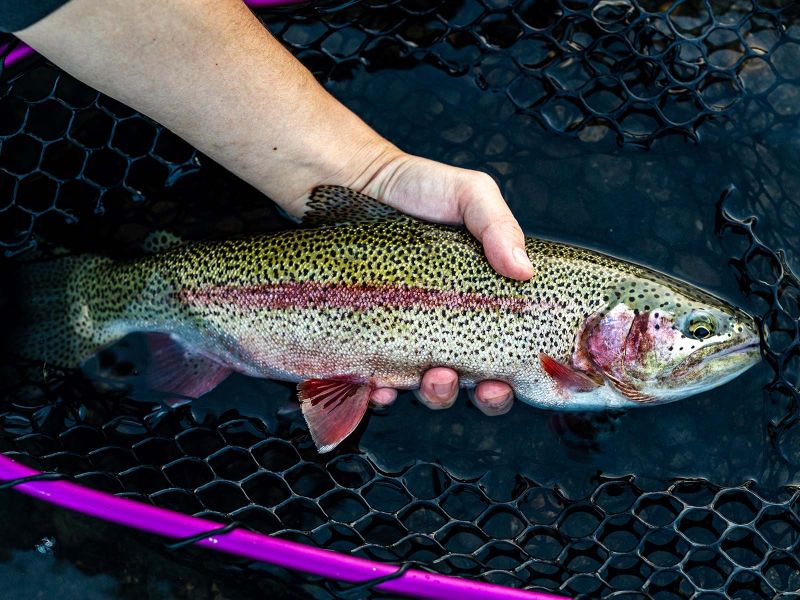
391,344
370,296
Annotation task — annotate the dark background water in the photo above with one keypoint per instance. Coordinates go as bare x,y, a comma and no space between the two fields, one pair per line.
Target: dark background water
654,206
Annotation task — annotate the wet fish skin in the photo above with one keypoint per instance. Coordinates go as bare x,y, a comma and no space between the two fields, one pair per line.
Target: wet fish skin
368,297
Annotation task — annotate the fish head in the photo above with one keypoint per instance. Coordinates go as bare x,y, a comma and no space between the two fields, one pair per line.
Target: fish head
660,340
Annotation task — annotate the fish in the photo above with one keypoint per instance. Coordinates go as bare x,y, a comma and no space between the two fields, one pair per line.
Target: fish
362,296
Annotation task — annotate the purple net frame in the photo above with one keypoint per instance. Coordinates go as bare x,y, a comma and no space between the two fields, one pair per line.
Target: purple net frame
255,546
17,54
240,542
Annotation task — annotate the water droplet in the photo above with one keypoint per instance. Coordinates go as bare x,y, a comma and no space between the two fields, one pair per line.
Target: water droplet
46,545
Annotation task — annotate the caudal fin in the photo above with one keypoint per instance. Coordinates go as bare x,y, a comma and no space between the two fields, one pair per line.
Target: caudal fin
47,318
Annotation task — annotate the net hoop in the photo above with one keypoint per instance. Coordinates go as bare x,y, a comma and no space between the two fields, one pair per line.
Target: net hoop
252,545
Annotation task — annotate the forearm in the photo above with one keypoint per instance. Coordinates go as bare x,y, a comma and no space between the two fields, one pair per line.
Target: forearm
209,71
232,90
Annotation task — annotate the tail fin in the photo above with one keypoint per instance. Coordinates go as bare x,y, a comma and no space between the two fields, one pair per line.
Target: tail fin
50,320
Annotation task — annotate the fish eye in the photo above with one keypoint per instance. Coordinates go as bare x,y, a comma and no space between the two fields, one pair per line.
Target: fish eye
700,326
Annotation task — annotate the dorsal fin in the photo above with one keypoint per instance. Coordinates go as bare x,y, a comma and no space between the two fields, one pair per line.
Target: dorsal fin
161,241
39,249
332,204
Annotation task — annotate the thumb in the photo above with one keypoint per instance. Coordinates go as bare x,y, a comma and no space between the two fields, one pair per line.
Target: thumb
487,216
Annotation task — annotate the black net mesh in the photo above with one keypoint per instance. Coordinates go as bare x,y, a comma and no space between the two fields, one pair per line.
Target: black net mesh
635,70
671,542
584,84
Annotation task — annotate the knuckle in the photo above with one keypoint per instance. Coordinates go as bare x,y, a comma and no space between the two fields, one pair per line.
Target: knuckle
431,403
479,183
508,227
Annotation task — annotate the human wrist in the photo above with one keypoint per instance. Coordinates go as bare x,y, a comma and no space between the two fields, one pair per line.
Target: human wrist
360,165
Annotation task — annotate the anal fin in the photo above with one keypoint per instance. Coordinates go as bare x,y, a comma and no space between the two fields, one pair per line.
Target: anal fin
332,409
175,370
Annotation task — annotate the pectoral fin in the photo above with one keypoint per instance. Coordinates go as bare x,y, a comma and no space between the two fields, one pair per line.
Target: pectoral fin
332,409
569,378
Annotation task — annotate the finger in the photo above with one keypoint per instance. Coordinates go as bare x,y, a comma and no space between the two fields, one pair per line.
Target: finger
493,398
383,396
504,246
489,219
439,388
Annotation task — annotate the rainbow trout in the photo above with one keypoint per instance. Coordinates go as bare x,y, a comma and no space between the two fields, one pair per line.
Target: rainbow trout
365,297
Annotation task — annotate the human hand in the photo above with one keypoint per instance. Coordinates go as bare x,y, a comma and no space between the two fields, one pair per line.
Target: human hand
442,193
447,194
264,117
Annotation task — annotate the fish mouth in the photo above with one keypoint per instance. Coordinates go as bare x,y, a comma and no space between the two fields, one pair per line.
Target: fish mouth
733,349
694,363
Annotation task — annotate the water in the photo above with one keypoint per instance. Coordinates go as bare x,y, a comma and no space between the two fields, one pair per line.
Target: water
92,560
654,207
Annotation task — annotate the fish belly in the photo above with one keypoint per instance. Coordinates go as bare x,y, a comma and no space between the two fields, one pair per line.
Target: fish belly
380,345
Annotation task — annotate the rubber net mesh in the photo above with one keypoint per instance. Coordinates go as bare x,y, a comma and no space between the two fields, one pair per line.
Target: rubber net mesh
79,169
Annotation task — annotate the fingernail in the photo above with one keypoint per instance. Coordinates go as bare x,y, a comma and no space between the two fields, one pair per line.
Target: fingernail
442,390
500,400
522,258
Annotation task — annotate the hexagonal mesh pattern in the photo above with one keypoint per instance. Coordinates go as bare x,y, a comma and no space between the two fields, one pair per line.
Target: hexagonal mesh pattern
608,70
67,151
642,69
634,69
670,543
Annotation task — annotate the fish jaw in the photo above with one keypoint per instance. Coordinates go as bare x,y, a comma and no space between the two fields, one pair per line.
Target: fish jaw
734,361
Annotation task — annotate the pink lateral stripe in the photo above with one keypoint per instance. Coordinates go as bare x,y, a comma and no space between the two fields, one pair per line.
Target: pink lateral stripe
256,546
239,542
308,294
